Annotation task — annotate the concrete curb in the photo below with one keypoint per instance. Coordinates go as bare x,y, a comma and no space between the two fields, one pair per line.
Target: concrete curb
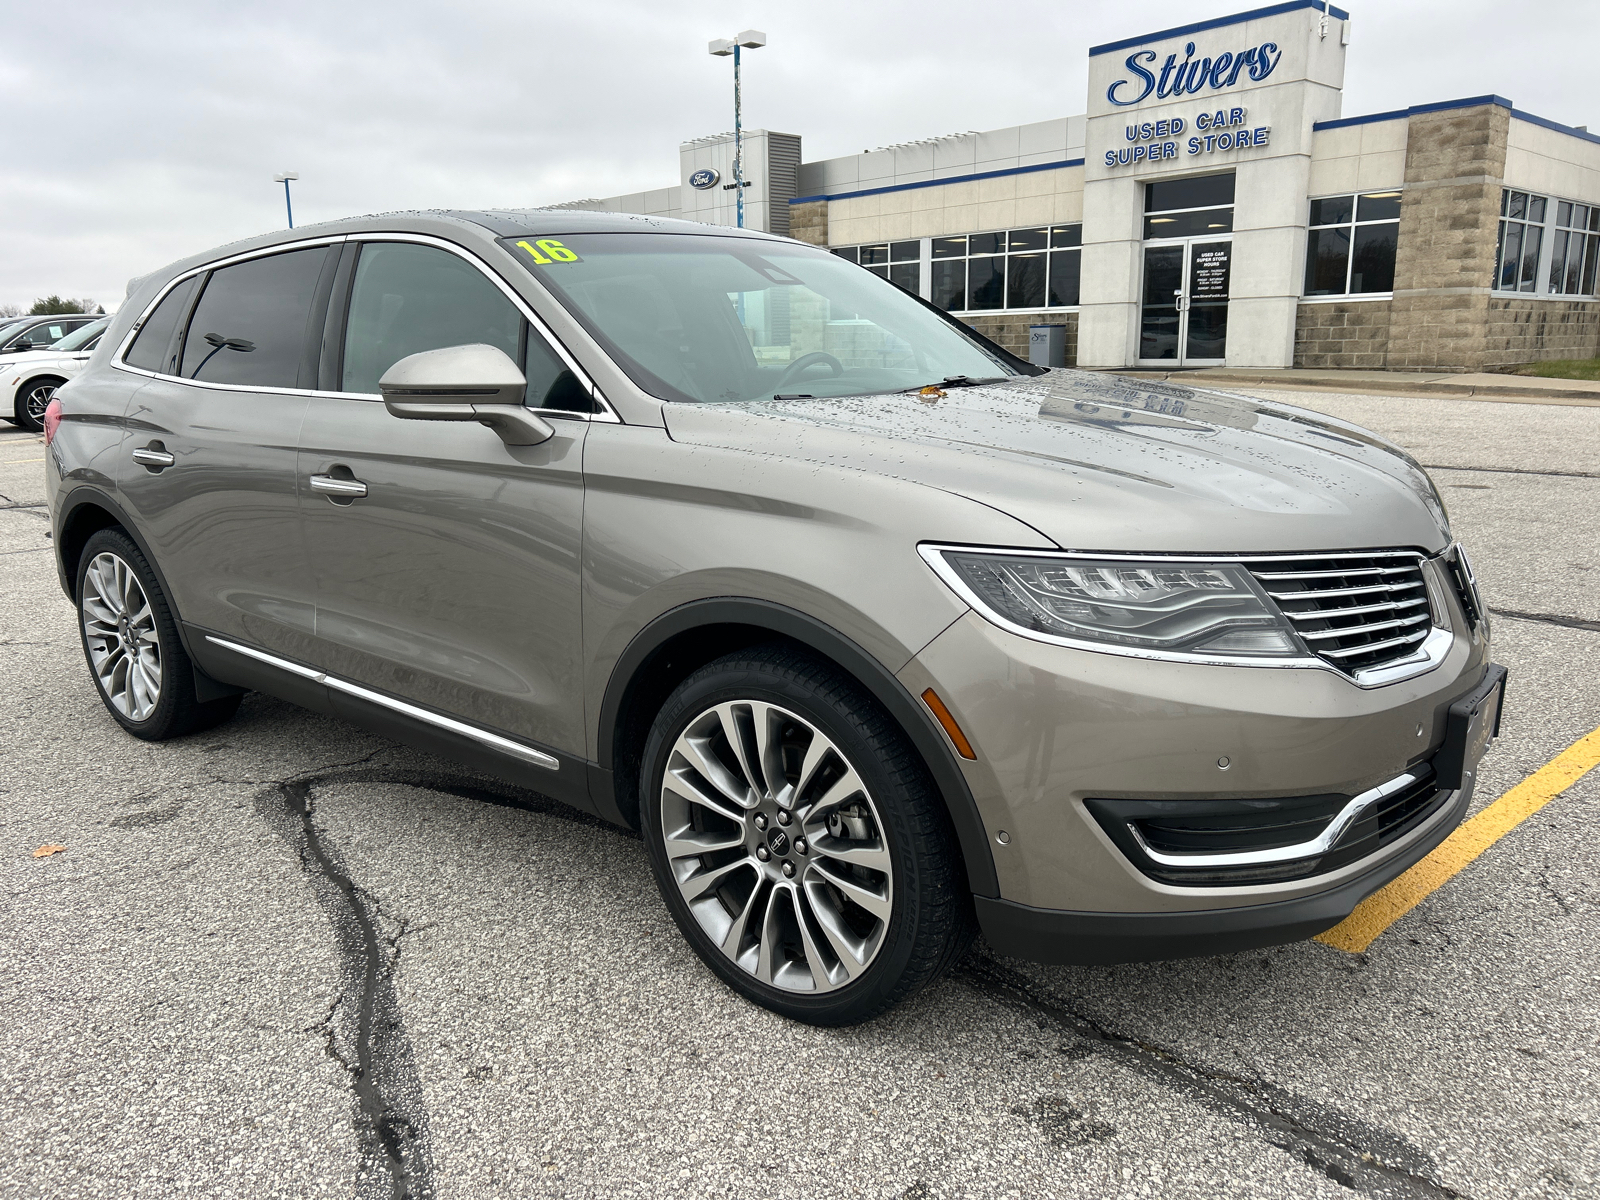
1585,395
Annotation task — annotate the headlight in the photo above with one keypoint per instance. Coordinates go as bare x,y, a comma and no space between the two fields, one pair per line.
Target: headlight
1151,605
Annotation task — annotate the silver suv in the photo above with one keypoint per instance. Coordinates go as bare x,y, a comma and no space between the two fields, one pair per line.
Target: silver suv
878,634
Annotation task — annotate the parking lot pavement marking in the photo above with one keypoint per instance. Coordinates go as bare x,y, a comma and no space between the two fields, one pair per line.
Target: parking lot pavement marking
11,462
1398,897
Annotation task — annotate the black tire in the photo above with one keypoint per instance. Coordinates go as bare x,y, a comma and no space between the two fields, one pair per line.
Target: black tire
175,711
930,923
32,397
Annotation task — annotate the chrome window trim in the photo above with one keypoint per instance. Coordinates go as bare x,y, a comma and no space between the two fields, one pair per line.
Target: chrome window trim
1429,654
608,414
493,740
1314,848
133,330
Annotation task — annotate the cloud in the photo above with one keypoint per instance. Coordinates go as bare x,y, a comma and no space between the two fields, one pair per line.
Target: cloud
154,130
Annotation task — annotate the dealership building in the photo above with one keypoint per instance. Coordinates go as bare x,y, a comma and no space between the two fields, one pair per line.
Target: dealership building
1214,206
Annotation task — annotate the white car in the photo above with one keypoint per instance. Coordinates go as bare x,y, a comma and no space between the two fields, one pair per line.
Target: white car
31,378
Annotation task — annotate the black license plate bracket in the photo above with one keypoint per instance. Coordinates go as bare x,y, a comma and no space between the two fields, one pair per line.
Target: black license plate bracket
1470,729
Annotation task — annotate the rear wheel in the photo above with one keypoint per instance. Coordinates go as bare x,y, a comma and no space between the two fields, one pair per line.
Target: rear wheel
797,839
130,641
32,399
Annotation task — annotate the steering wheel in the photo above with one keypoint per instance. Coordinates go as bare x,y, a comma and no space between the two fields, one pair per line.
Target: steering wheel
808,360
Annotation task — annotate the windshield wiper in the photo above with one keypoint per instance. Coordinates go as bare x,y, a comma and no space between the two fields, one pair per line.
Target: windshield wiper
950,381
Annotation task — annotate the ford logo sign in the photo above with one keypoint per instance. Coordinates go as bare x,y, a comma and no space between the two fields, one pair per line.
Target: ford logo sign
704,178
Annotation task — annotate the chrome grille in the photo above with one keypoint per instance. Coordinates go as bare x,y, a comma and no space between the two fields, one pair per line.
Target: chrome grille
1354,611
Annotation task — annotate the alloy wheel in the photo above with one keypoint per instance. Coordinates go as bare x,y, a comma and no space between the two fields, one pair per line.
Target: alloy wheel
120,630
776,846
37,400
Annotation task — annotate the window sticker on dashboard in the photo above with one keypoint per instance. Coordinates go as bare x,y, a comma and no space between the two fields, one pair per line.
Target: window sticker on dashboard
547,250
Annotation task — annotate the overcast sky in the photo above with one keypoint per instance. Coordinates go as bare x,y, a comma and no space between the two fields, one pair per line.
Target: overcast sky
140,133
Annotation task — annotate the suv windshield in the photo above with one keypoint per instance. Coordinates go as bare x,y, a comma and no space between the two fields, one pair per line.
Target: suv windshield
703,318
78,338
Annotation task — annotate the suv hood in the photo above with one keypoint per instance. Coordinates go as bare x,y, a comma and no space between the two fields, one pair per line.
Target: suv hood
1105,463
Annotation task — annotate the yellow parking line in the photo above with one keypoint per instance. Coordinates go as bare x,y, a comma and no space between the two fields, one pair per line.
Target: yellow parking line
11,462
1475,835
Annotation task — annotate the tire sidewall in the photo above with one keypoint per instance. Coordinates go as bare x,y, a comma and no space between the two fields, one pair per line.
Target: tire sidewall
748,680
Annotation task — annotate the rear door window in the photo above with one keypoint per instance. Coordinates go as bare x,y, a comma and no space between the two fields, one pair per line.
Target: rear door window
249,327
155,347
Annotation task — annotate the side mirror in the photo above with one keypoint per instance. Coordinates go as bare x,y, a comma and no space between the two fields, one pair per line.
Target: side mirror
464,383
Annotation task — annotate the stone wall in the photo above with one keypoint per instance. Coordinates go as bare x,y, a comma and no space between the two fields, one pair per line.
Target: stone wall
1010,330
1534,330
1449,218
1351,334
808,222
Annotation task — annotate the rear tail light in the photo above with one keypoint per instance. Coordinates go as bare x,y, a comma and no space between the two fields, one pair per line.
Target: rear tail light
52,419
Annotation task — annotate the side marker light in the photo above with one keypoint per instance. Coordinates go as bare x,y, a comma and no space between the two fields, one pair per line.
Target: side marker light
942,714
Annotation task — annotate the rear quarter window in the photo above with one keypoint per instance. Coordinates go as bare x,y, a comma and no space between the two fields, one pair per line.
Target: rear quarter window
154,348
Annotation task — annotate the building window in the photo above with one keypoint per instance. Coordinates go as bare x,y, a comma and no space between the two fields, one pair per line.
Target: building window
1011,269
1199,206
1521,239
984,272
1575,249
898,262
1546,247
1351,245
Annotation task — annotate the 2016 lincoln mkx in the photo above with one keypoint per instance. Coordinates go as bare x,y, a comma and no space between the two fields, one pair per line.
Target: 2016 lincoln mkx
878,634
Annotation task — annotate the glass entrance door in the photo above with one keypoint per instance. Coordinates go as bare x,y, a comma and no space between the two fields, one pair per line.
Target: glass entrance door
1184,314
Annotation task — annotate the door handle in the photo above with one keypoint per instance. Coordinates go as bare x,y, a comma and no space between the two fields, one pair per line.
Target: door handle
154,456
333,486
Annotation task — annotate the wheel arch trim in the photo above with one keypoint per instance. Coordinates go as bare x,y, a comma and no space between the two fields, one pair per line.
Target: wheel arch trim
912,717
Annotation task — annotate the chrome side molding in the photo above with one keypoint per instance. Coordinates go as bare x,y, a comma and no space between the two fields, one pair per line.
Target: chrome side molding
493,740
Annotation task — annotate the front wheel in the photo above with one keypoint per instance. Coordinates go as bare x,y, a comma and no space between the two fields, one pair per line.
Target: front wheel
798,840
130,640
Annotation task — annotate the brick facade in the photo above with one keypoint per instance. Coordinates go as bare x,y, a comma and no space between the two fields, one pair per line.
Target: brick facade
1443,316
808,222
1011,330
1531,330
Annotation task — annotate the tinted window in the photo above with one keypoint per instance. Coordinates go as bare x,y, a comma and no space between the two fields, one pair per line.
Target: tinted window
250,325
153,349
408,298
1201,191
550,384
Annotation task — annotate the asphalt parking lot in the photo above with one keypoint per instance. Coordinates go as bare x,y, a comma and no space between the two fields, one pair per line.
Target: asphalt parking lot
242,918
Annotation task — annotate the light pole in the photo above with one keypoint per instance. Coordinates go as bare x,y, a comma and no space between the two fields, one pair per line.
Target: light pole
750,39
284,179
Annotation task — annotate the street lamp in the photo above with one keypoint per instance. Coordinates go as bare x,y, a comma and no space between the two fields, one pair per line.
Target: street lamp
284,179
750,39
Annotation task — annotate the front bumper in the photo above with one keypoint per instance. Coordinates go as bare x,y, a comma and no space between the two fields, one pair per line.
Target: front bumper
1099,938
1056,729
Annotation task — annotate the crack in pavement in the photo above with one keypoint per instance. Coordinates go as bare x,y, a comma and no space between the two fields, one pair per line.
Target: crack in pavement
364,1028
1361,1157
1514,471
1549,619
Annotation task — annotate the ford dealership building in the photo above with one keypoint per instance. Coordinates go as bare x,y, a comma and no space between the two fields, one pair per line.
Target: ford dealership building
1214,206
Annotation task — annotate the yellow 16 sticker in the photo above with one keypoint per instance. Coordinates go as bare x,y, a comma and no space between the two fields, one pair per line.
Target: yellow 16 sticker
547,250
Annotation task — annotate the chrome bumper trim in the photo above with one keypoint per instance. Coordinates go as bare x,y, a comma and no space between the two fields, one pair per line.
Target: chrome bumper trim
1321,844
